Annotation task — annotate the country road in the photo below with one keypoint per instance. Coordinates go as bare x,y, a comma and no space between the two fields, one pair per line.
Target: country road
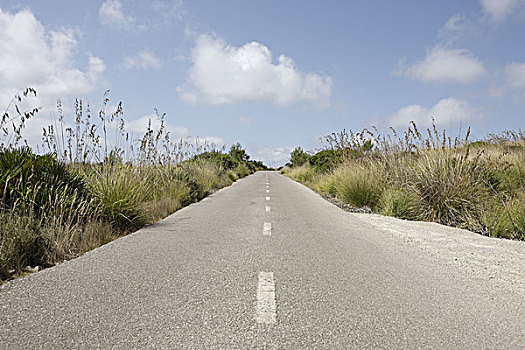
269,264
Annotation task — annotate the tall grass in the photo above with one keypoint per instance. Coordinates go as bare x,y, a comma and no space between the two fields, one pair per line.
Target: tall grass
357,186
96,182
479,185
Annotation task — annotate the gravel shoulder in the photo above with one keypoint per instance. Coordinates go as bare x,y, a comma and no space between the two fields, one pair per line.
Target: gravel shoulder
500,260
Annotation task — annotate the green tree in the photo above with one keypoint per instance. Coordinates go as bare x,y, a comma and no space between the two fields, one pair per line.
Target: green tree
298,157
325,160
238,153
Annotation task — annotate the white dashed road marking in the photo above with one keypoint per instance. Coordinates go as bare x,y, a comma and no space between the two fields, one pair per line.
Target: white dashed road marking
267,198
267,191
268,208
266,305
267,229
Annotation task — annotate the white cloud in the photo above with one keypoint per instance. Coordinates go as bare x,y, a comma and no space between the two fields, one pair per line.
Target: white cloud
273,157
169,9
223,74
499,10
153,14
244,120
111,15
515,75
44,60
456,28
443,65
446,112
143,60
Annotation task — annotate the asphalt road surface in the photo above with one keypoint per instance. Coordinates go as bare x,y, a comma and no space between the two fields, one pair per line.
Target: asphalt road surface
263,264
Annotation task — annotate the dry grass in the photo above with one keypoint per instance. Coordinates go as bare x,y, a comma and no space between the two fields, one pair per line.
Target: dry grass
96,184
356,185
479,186
28,241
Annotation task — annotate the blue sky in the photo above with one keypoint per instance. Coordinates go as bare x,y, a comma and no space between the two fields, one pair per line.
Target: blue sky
272,74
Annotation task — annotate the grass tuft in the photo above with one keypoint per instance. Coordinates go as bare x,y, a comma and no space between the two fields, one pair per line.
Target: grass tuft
399,203
357,186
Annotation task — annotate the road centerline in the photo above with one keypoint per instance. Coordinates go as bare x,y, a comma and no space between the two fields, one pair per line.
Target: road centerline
266,304
267,229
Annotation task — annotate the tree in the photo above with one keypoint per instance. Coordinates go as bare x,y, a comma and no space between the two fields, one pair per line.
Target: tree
238,153
325,160
298,157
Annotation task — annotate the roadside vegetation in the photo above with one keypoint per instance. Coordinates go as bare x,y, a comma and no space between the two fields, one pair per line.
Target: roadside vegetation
479,186
91,182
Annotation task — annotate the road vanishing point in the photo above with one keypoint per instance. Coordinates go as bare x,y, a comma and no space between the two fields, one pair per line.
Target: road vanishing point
268,264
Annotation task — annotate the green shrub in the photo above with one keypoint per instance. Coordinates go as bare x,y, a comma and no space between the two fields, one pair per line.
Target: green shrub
433,178
325,160
232,175
242,170
226,161
56,208
238,153
509,178
507,221
399,203
326,184
21,244
450,188
206,175
298,157
27,241
516,209
358,186
121,194
38,184
304,174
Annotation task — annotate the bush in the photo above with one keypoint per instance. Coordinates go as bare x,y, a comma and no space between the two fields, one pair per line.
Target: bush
303,174
56,208
21,244
508,178
242,170
238,154
173,189
326,185
232,175
358,186
298,157
451,189
27,241
399,203
206,175
507,220
325,160
39,184
225,161
121,194
432,178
